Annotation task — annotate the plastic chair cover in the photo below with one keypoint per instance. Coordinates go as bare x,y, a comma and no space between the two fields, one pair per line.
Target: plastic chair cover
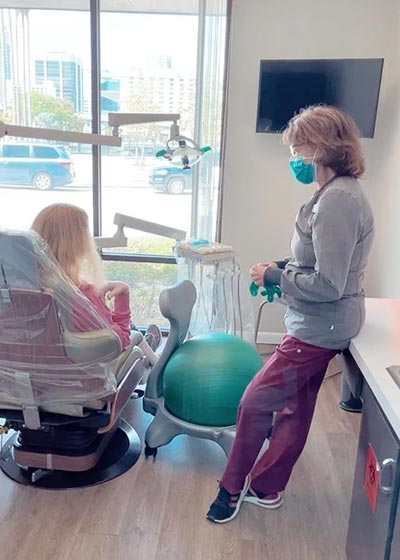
54,345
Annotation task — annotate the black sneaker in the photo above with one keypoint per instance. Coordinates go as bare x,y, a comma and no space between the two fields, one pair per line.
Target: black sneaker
352,405
226,506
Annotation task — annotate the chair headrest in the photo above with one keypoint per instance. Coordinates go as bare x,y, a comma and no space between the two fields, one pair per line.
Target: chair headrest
18,262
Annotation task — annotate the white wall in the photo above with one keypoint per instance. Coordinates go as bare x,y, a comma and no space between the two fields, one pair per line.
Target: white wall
260,196
384,181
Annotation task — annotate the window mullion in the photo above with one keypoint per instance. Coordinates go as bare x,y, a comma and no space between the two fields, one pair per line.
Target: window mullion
96,109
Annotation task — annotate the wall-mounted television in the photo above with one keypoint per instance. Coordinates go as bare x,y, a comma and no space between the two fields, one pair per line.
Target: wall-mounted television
286,86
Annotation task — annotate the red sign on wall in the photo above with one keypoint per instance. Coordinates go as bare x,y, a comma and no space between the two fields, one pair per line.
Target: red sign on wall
371,478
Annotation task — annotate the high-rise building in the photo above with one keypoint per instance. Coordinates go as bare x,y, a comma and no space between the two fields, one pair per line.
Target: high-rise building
15,65
110,91
64,70
164,92
157,86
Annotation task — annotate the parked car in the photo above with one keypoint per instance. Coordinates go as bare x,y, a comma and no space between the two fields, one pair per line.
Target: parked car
42,165
170,179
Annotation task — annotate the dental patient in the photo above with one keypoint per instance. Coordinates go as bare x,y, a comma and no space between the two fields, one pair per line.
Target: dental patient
65,228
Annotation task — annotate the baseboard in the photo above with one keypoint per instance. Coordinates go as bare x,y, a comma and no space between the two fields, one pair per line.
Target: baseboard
269,337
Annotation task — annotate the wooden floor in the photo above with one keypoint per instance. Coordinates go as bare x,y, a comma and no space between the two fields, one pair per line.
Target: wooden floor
156,510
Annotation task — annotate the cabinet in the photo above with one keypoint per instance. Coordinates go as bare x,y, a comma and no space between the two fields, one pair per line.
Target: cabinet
395,547
370,515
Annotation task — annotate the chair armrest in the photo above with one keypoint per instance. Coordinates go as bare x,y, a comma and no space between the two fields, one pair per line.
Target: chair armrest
91,346
134,373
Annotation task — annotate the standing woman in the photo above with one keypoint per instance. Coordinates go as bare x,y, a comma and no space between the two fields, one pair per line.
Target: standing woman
323,287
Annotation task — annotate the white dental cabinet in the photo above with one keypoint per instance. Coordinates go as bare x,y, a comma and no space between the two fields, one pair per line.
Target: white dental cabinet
374,524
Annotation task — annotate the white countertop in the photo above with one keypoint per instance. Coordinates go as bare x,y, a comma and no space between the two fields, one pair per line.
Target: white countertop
377,347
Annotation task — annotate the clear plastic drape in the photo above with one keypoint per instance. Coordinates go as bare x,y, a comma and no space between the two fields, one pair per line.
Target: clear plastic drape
54,345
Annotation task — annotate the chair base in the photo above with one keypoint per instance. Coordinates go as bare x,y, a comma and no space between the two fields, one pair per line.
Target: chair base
120,453
165,427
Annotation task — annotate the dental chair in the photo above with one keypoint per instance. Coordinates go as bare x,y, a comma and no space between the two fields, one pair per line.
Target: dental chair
64,381
176,304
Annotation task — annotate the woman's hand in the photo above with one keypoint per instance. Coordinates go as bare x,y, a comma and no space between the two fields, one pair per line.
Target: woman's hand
113,288
258,270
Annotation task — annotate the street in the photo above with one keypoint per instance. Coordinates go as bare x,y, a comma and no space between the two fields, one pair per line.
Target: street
125,190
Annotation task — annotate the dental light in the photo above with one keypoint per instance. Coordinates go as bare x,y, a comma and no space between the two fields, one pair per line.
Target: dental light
183,151
180,149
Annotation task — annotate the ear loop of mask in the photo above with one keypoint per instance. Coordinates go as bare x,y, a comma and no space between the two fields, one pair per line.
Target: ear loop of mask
304,157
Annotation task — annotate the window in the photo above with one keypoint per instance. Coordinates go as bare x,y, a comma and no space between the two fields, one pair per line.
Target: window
145,187
145,280
63,152
15,151
47,80
44,152
155,57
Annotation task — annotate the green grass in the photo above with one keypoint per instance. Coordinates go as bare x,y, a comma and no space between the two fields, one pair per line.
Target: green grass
146,280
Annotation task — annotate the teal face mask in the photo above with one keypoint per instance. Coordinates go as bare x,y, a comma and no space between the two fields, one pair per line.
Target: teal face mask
302,171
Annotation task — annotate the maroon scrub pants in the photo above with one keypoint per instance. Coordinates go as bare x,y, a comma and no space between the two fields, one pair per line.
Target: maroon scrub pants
287,385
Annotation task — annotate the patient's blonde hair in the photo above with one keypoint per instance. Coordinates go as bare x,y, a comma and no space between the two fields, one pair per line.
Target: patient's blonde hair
65,228
332,134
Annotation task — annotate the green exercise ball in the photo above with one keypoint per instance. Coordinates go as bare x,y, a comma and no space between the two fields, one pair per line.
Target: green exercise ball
206,376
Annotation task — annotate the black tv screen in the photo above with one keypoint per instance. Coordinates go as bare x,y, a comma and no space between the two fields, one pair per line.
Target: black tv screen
286,86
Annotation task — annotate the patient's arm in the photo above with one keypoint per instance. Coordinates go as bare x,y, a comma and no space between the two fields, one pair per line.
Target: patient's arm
118,318
121,318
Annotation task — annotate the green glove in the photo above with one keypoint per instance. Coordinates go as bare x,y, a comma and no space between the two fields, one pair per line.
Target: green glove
271,291
268,291
254,289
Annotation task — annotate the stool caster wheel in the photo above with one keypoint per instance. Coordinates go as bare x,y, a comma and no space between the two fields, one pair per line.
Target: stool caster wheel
150,451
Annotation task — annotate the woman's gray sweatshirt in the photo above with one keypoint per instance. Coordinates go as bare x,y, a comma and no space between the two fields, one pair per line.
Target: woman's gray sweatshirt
323,281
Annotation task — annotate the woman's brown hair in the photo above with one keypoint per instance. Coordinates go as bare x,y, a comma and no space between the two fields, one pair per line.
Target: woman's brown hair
332,134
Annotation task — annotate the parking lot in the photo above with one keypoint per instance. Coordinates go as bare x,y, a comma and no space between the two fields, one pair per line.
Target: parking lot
125,190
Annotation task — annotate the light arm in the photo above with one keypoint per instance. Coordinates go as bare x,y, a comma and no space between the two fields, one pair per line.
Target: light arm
121,221
58,135
115,120
120,119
